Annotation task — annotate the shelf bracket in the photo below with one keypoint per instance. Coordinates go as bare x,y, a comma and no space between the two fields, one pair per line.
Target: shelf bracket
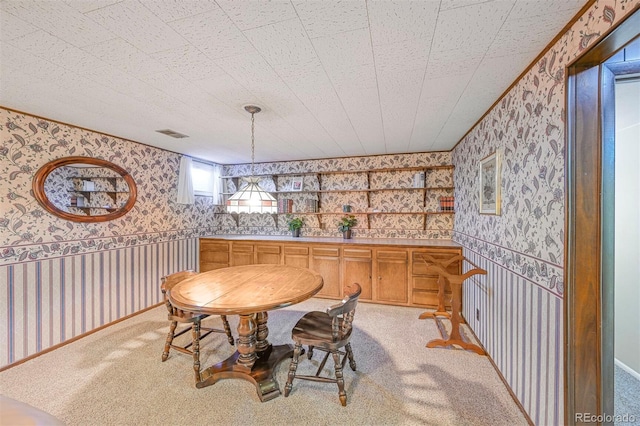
236,218
114,196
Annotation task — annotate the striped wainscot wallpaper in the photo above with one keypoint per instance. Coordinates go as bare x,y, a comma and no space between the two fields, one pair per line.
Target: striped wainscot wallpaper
60,279
46,302
520,325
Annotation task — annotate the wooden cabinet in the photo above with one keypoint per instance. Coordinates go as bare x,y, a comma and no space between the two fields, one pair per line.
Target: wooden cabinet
296,255
250,253
268,254
424,283
326,261
357,268
242,254
214,254
391,276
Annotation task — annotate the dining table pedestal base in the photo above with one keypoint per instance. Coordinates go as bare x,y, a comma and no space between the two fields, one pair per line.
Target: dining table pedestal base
261,374
249,291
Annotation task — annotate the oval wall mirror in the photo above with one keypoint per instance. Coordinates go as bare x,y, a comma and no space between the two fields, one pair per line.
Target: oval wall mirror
84,189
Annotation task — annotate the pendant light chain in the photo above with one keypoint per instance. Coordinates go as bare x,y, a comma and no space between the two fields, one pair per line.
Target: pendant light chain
251,198
253,142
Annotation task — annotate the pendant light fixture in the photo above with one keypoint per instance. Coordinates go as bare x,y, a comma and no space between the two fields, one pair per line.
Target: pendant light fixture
251,198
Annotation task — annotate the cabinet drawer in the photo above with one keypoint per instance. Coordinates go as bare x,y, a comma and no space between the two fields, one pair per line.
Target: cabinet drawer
425,292
425,283
419,267
268,254
211,246
242,248
296,250
394,255
326,251
427,298
364,253
214,257
268,249
436,254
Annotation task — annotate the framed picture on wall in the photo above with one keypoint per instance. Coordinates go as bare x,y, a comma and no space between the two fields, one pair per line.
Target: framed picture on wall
490,184
296,183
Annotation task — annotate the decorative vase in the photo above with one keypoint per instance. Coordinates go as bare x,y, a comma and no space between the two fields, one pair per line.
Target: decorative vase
295,232
346,234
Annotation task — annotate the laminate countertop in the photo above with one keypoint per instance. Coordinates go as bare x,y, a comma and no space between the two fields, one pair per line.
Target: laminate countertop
444,243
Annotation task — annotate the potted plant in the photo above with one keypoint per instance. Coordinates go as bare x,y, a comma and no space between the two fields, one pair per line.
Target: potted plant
345,224
295,223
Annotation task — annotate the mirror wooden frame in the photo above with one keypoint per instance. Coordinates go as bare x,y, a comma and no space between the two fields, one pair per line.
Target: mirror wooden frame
44,172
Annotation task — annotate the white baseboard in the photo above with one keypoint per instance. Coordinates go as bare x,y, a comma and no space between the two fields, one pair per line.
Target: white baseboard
628,369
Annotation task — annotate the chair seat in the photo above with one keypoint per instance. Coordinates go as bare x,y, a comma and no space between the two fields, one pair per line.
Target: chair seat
314,329
194,320
181,315
328,331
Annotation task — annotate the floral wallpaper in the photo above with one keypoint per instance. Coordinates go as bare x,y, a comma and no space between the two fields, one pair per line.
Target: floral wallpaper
28,232
397,195
516,310
527,127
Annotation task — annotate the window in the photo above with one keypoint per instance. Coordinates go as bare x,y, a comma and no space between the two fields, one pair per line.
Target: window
202,176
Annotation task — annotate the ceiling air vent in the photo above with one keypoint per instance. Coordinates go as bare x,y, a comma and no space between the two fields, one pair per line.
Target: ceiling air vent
172,133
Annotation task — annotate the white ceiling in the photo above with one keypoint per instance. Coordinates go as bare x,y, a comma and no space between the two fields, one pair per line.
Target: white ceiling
334,78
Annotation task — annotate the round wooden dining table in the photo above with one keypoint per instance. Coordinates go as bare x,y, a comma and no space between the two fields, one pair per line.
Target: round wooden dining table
248,291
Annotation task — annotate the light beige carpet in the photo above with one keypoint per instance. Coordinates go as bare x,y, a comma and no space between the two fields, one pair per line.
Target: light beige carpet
116,377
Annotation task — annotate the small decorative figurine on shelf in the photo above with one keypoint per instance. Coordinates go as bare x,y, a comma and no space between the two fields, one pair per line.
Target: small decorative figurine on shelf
295,223
345,224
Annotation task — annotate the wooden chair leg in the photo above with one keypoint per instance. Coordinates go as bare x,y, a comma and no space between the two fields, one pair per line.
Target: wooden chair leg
339,378
292,369
227,329
169,341
352,361
196,349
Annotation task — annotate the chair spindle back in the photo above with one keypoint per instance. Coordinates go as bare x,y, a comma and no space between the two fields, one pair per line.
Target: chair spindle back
342,314
169,281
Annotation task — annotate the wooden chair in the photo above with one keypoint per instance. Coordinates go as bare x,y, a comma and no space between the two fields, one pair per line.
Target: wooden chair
326,331
179,316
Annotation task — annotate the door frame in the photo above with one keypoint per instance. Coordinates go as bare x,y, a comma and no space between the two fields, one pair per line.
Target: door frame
588,297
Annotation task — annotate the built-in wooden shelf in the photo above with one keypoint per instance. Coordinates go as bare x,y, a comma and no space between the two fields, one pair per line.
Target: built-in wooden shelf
365,189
